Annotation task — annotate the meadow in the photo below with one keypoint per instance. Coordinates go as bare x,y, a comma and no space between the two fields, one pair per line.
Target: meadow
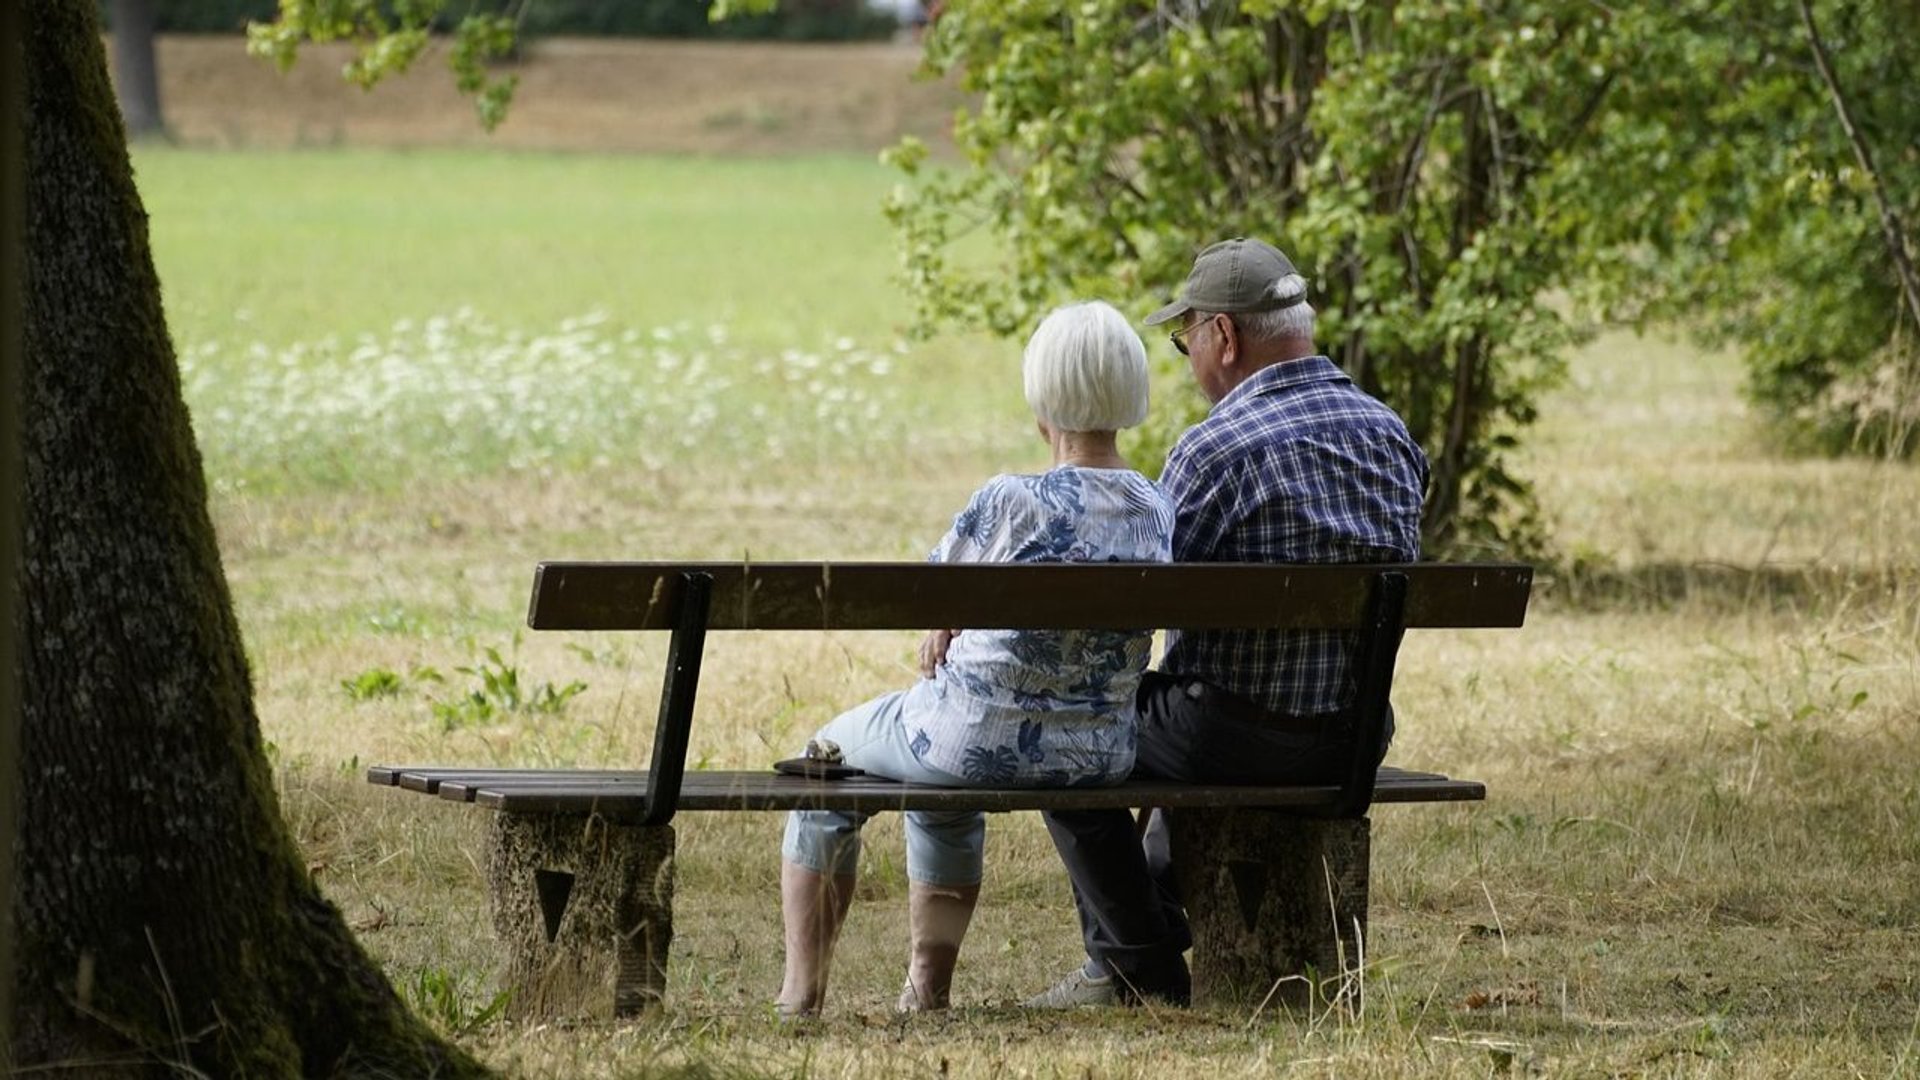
414,374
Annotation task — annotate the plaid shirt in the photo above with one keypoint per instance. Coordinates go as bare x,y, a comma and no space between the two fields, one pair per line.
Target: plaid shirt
1296,465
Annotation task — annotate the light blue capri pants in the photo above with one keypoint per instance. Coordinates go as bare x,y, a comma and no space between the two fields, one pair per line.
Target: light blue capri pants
943,847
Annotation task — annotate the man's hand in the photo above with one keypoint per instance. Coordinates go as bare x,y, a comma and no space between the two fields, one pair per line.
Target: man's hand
933,650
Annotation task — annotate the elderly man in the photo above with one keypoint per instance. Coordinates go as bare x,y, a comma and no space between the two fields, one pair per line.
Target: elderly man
1293,464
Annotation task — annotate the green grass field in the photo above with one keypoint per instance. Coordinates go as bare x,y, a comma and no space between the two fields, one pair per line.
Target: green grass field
415,374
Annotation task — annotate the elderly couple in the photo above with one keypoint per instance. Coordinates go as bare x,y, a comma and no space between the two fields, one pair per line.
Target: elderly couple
1293,464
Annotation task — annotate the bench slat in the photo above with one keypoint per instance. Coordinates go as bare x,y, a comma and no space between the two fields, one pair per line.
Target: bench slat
620,793
465,789
909,596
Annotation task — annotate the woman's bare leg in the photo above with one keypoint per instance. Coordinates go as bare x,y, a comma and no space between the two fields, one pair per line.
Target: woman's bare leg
937,917
812,907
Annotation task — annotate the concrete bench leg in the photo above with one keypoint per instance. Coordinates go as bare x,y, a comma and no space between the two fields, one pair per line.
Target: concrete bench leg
585,910
1275,901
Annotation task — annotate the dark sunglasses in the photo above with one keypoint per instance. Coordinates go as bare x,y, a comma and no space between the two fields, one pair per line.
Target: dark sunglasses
1179,338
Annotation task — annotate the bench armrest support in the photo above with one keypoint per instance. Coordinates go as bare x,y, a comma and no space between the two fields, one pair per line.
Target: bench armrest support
1386,625
671,734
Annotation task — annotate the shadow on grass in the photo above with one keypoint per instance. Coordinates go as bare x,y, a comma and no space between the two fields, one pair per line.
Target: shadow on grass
1726,586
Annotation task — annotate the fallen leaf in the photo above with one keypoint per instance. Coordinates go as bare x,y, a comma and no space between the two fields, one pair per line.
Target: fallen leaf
379,920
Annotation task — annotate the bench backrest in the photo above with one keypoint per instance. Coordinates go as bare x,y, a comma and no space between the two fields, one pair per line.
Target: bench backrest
1378,602
1093,596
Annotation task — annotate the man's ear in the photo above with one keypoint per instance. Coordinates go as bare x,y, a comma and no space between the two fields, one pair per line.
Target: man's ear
1229,341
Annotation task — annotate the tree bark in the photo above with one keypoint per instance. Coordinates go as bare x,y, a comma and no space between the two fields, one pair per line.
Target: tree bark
136,70
164,915
13,223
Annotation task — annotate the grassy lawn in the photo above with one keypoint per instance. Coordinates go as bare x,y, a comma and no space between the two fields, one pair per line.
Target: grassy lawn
414,374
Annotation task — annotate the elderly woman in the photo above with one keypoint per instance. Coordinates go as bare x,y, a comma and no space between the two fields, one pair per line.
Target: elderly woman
997,708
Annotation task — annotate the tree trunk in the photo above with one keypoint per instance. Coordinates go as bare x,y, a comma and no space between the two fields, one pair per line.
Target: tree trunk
13,224
164,915
136,72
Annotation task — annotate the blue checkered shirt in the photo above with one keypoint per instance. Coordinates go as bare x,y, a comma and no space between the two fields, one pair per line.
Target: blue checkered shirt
1296,465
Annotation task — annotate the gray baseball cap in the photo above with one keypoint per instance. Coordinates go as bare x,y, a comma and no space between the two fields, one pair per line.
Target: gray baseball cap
1234,276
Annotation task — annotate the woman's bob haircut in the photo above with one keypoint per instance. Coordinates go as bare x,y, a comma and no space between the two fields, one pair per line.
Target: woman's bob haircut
1086,370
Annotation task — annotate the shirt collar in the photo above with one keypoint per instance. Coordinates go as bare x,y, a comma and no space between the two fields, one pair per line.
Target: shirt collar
1285,375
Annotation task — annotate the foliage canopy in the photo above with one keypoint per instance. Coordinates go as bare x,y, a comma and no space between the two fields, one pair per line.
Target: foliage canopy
1413,159
1763,224
1459,180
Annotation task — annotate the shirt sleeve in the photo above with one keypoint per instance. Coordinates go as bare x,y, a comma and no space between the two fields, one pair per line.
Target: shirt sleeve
1205,502
971,539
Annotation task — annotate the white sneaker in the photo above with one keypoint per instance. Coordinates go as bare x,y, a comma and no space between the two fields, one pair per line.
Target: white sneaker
1077,990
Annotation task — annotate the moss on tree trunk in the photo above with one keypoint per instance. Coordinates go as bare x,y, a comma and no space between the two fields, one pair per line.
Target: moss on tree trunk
163,911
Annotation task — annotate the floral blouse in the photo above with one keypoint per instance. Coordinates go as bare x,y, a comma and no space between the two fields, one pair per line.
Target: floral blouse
1042,708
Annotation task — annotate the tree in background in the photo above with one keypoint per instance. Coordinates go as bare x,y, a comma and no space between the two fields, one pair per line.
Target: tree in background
1459,180
1412,158
136,67
1781,217
164,916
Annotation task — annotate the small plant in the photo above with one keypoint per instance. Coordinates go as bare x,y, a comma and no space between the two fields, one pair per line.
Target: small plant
373,683
379,682
500,693
453,1001
469,711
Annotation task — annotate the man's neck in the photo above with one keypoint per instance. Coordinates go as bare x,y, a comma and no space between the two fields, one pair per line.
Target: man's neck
1268,353
1271,354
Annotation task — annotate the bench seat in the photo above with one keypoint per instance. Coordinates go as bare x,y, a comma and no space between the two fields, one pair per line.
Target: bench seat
619,795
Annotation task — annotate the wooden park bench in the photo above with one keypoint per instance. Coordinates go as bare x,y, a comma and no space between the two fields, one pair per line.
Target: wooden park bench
1274,878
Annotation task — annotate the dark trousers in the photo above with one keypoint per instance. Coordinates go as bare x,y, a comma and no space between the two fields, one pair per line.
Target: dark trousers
1131,917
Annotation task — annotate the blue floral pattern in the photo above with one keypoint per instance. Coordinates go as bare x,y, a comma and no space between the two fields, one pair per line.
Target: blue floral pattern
1029,708
1030,731
984,766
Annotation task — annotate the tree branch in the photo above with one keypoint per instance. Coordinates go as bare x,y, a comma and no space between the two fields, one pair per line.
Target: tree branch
1890,223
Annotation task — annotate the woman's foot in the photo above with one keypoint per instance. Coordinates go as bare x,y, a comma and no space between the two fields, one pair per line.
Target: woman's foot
793,1013
911,1001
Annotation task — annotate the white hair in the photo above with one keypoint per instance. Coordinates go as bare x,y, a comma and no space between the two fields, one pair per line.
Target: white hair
1288,322
1086,370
